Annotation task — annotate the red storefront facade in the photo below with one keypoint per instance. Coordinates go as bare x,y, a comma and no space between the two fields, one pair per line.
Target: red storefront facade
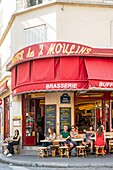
65,67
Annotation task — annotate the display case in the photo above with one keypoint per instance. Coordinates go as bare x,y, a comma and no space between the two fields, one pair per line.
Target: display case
30,131
30,124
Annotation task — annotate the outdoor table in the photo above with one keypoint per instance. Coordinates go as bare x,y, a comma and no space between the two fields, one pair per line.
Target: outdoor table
56,140
106,137
77,139
45,140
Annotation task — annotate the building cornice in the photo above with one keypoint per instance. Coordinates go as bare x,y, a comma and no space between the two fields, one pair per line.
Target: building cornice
51,3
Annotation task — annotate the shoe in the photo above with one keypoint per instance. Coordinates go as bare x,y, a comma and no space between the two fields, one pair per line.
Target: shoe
6,152
9,155
64,152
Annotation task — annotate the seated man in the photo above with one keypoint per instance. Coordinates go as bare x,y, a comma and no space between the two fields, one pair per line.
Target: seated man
65,134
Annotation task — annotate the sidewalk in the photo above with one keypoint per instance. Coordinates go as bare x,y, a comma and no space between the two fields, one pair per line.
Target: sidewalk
78,162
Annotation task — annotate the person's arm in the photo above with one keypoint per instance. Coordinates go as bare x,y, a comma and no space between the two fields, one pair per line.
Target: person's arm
54,136
68,136
71,135
61,134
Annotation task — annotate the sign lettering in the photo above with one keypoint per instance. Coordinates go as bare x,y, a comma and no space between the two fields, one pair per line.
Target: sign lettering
48,49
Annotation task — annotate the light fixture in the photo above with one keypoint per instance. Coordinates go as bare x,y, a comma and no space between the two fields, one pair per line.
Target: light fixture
82,92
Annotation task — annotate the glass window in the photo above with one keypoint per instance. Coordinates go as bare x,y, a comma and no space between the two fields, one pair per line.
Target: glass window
35,35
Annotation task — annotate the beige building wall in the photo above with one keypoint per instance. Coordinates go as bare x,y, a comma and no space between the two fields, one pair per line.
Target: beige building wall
88,25
54,98
30,19
16,113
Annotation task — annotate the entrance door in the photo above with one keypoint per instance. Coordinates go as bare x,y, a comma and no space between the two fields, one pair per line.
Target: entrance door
6,118
32,121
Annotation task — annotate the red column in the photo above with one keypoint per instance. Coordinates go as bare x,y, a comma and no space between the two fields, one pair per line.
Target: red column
103,114
74,108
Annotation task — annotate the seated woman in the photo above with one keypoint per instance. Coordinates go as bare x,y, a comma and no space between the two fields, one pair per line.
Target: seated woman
74,134
51,135
87,141
15,141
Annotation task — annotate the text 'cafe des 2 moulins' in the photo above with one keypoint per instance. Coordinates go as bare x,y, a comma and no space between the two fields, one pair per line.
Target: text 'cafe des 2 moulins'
62,83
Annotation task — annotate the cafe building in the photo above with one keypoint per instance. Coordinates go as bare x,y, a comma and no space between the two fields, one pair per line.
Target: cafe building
62,83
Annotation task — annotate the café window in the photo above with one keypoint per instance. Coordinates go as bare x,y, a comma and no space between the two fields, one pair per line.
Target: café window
85,116
88,113
35,35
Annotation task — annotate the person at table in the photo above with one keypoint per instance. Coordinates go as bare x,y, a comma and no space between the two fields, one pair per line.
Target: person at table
51,135
14,141
100,137
74,134
87,141
66,135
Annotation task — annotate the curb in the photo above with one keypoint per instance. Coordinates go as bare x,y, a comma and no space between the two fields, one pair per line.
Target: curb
54,165
105,162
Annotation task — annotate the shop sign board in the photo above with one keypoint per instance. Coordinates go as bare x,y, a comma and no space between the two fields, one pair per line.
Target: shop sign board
17,121
65,117
50,118
49,49
65,98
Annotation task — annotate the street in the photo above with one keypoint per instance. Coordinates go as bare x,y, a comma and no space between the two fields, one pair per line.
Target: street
11,167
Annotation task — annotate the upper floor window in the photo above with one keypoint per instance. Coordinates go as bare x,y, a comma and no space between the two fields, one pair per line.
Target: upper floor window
35,35
21,4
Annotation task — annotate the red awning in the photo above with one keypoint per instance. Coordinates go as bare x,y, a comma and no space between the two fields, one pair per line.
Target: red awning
3,87
100,72
50,74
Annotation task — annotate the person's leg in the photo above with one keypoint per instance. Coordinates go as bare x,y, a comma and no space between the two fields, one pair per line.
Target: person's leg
6,152
43,144
84,143
91,148
71,145
10,148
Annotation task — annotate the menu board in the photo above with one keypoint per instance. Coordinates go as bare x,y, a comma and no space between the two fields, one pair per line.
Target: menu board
65,117
50,111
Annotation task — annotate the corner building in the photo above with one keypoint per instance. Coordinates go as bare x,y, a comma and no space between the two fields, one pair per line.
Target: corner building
59,70
62,85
